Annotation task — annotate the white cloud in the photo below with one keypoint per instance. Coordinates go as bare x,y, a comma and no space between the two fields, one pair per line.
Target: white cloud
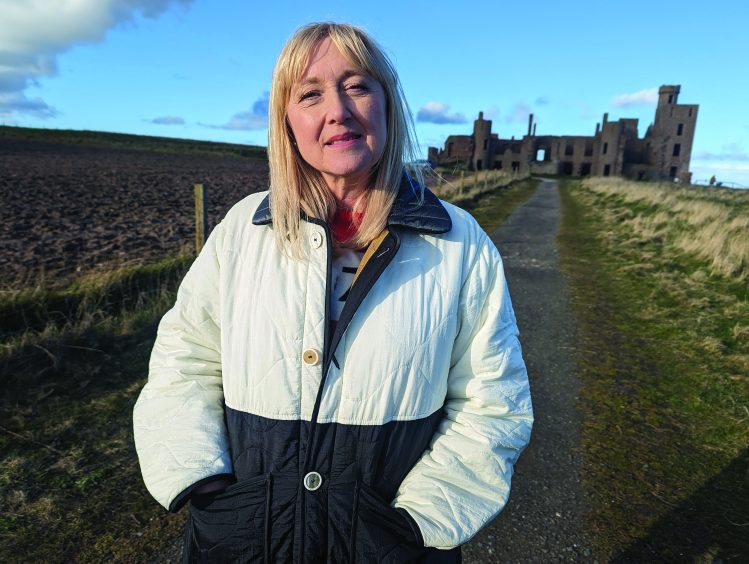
33,33
167,120
519,112
438,112
647,97
255,118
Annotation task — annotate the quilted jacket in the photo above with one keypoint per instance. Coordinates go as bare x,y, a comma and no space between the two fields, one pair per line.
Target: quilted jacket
391,439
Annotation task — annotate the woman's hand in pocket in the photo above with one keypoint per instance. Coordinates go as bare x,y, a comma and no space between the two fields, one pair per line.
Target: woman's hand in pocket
214,486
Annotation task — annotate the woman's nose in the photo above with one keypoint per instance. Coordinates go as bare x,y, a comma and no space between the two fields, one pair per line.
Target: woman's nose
337,110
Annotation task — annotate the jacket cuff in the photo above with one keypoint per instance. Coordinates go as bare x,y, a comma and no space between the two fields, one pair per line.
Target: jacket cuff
414,526
184,495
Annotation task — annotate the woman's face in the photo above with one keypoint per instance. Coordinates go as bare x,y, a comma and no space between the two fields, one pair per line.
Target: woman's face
337,115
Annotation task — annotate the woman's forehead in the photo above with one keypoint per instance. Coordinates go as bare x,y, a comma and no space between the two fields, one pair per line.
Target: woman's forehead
324,55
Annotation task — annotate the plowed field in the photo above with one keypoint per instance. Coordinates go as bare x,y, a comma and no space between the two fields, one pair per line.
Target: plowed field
71,208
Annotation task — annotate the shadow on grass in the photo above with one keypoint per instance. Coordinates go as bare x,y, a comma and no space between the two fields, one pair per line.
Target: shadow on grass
694,532
70,486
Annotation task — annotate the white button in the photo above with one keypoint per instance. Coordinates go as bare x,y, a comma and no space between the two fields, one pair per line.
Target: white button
312,481
311,357
316,240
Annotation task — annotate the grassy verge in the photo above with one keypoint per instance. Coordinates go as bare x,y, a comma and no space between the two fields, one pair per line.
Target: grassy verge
664,367
492,208
73,362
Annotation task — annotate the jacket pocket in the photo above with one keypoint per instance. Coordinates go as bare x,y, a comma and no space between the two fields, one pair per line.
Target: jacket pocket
230,526
380,533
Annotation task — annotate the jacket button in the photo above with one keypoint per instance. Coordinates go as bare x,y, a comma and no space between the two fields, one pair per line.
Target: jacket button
311,357
316,240
312,481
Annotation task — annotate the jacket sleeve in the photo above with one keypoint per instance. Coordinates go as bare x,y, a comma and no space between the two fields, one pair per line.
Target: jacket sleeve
178,420
463,480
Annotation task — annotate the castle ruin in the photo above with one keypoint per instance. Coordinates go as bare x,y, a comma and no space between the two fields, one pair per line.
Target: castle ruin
614,149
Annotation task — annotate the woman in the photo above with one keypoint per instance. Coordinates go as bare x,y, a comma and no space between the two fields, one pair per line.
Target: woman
340,379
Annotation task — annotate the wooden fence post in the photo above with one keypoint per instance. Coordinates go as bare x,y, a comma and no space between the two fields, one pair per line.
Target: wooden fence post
201,221
462,180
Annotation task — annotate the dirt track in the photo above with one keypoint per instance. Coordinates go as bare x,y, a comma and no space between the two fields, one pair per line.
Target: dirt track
67,208
543,522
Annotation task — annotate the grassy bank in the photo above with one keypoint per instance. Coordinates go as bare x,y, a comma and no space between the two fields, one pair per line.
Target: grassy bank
72,138
658,276
73,361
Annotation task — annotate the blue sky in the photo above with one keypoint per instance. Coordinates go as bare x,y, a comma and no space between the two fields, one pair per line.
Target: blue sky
201,68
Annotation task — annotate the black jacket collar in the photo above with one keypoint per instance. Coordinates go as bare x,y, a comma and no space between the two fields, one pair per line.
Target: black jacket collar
429,217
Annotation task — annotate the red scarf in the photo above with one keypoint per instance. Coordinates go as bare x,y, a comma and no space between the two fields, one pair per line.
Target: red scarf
345,224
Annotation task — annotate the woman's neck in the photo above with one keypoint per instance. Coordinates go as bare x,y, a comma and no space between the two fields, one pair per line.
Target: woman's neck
346,191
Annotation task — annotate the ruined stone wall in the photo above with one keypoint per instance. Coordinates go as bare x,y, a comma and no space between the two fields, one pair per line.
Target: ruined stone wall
458,150
614,150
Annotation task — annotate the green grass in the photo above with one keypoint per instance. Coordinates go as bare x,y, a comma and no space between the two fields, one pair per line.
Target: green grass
70,487
664,367
492,209
70,483
133,142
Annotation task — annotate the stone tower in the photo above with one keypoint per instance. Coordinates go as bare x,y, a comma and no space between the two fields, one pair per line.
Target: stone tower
482,149
671,136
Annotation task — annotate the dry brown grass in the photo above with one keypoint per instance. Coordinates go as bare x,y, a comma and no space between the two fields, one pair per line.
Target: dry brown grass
457,188
709,223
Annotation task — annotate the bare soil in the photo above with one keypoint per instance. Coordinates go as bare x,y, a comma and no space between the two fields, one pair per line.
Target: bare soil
67,209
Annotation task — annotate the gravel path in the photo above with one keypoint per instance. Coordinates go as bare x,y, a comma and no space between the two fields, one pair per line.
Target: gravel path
543,521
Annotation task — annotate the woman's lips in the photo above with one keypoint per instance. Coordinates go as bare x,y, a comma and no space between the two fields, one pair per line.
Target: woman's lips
342,141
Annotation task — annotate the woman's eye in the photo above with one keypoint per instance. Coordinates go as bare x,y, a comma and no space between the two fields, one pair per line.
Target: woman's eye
358,87
308,95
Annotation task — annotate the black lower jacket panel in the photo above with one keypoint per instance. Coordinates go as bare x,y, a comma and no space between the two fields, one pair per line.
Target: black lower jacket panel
269,516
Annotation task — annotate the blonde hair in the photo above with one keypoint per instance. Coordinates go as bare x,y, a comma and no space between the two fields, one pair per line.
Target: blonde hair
295,186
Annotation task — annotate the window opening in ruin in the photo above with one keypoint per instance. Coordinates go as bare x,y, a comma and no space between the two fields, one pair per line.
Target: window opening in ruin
497,165
515,165
567,168
690,112
677,149
585,169
672,174
568,148
540,154
450,149
516,148
605,148
478,164
670,98
641,175
607,170
680,129
486,142
588,148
